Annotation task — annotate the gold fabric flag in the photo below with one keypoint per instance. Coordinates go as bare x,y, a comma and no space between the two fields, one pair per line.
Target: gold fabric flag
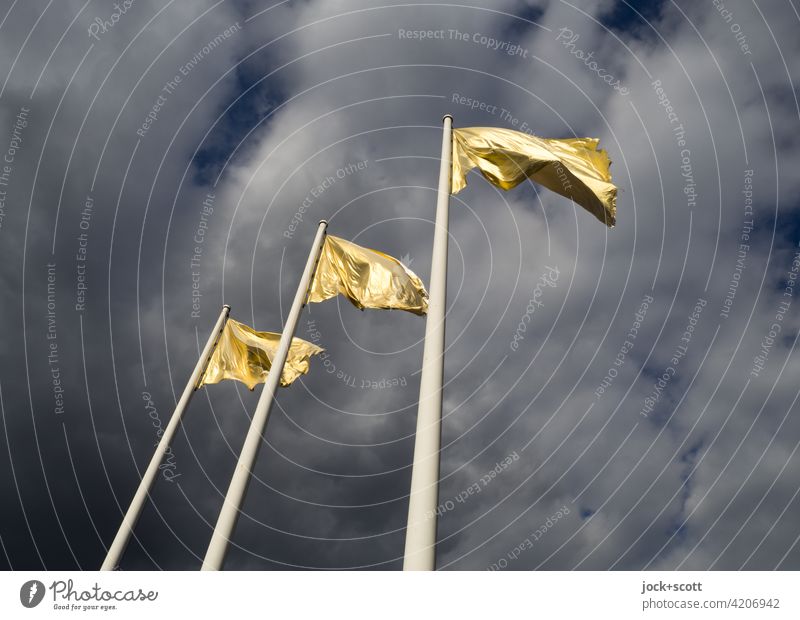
246,355
368,278
572,167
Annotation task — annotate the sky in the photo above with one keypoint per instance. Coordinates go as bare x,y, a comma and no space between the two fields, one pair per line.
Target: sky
161,159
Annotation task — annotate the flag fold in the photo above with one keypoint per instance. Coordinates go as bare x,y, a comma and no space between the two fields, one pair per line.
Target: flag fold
368,278
572,167
246,355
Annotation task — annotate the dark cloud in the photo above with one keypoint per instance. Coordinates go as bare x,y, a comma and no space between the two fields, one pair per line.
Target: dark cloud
332,104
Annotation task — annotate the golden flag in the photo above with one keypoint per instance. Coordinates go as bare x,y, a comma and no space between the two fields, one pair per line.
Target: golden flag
368,278
246,355
572,167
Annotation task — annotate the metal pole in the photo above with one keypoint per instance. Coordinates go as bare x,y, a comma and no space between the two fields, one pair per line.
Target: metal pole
420,550
229,514
117,547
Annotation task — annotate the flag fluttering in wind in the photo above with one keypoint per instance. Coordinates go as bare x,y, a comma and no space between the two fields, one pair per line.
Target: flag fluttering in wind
246,355
368,278
572,167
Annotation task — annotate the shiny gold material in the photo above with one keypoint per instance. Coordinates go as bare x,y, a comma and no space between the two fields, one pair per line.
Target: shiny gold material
368,278
246,355
573,167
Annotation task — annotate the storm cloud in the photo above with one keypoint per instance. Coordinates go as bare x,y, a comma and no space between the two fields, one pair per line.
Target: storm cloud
161,159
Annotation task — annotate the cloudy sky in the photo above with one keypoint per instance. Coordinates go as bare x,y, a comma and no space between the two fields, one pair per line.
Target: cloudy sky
163,158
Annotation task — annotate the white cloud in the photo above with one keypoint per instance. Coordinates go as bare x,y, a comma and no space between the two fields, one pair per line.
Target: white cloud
341,86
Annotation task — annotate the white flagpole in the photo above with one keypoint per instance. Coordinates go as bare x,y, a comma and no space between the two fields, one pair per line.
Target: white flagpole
420,550
229,514
117,547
